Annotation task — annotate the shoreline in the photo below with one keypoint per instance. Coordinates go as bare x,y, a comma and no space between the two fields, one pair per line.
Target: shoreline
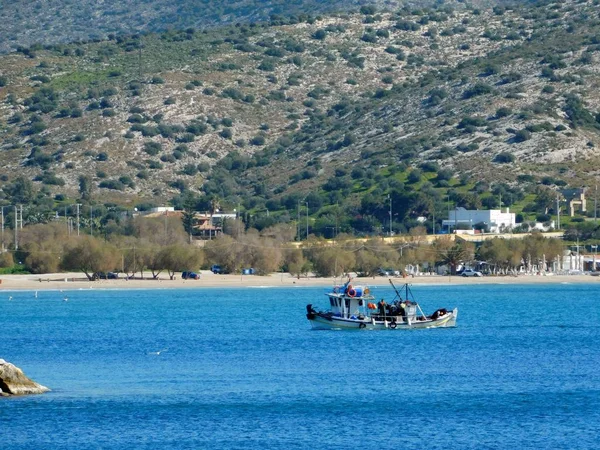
76,281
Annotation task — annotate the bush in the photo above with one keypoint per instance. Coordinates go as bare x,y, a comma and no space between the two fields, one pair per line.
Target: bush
320,34
369,37
155,165
503,112
266,66
368,10
472,122
186,137
232,93
522,135
414,176
477,89
112,184
504,158
50,178
548,89
190,169
196,128
152,148
258,140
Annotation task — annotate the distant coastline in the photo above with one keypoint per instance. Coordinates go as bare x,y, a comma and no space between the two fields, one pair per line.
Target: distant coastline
64,281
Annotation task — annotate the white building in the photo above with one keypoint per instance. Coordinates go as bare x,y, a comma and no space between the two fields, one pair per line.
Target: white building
161,209
494,219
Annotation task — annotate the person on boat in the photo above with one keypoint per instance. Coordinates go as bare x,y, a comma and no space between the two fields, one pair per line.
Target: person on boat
402,311
382,306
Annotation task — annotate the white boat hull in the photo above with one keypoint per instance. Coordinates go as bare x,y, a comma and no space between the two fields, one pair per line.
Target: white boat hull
319,322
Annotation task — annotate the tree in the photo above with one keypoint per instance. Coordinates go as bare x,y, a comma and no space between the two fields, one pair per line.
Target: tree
189,215
152,260
6,260
453,253
545,199
179,258
330,260
90,255
373,255
85,188
133,254
226,252
294,261
280,232
263,254
20,191
42,246
164,230
496,253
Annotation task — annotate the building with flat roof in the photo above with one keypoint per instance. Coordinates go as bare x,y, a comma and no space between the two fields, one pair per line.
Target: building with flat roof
494,220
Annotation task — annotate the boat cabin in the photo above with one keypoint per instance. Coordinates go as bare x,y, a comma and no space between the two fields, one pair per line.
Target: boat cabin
349,301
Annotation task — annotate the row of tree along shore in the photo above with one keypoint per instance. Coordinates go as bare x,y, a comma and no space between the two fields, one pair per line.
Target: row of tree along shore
154,246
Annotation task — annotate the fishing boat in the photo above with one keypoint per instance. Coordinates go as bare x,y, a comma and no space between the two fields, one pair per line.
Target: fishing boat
355,307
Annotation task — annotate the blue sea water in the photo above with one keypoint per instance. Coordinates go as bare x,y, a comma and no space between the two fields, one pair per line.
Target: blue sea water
241,368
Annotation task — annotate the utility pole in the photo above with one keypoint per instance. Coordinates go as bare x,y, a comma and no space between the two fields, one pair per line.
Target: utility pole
16,228
595,203
337,212
78,205
239,216
578,265
306,220
2,229
448,213
390,199
140,68
91,220
557,213
298,223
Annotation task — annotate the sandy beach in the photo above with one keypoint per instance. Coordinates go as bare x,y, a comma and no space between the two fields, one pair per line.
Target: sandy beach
76,281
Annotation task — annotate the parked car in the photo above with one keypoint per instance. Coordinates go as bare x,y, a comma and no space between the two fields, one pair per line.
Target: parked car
248,271
388,272
106,275
471,273
215,268
190,275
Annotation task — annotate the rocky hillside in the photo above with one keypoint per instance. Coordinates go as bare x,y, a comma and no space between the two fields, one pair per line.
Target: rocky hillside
53,21
450,101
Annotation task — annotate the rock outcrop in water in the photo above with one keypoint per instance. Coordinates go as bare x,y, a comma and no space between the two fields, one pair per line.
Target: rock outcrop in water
14,382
